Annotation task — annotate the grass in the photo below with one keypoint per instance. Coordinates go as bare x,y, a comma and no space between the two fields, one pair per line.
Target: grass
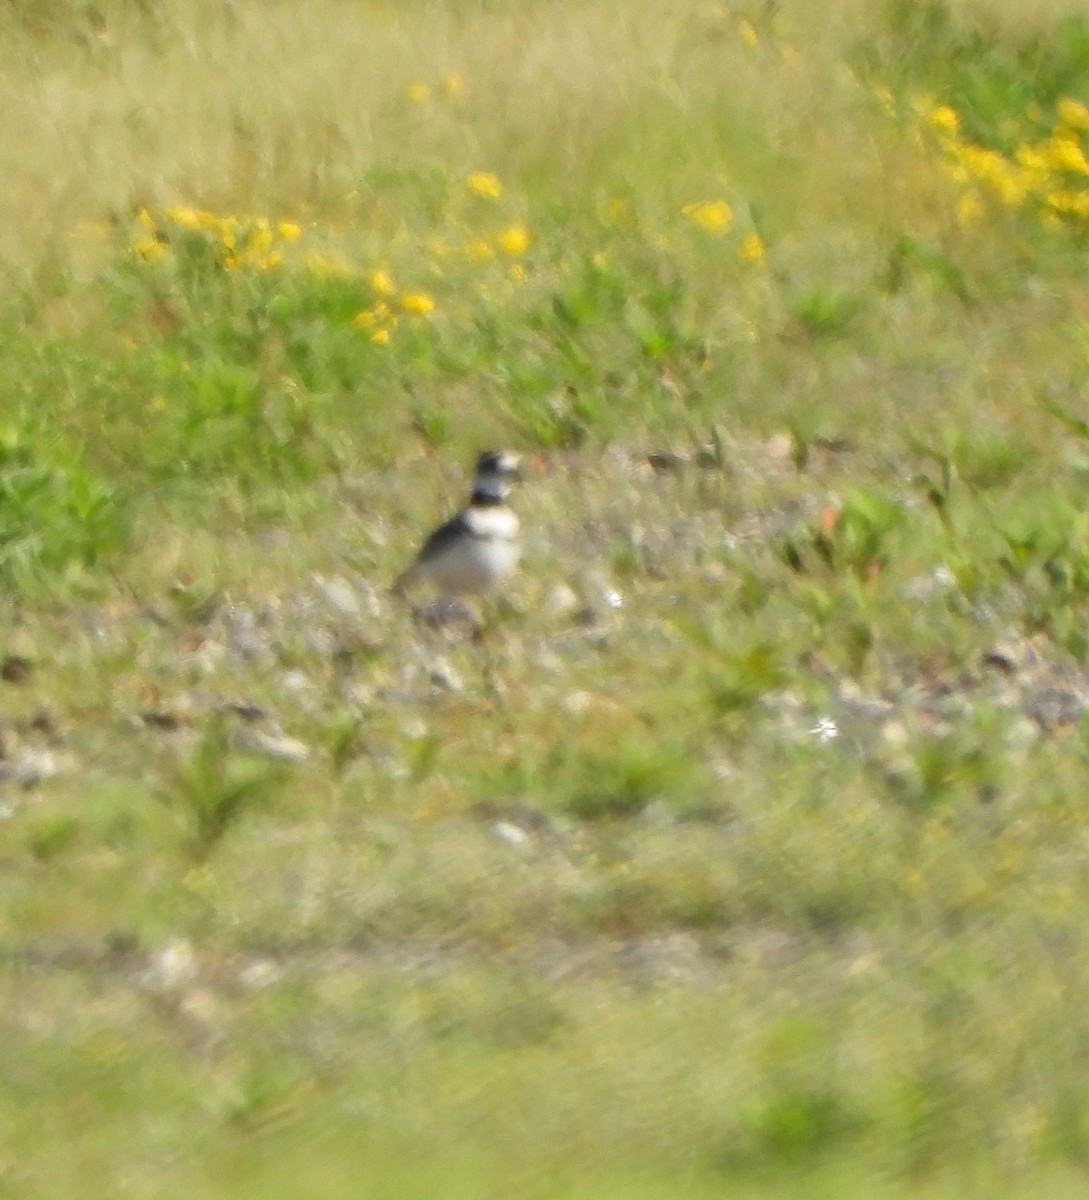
747,854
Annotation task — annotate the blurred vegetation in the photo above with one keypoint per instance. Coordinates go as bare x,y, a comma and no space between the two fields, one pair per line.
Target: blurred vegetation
746,850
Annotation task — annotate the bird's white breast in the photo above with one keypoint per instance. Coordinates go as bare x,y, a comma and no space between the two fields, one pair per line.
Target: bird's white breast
476,562
497,523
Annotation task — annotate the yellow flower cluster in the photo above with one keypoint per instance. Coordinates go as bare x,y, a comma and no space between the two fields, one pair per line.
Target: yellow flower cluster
484,184
256,243
712,216
751,250
481,241
1050,174
388,305
716,217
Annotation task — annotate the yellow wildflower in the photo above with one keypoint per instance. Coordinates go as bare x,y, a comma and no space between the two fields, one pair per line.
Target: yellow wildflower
147,221
290,231
1010,183
1031,158
944,120
484,183
380,337
713,216
751,249
381,282
453,85
1012,187
1072,113
183,215
1075,204
151,250
747,31
417,302
514,241
418,93
1066,154
260,237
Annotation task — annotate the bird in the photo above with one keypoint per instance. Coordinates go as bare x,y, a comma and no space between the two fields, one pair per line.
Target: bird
473,552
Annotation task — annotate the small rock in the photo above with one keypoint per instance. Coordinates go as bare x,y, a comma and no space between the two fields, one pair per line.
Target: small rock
339,594
561,601
724,769
861,704
31,768
1003,656
160,719
1052,707
664,461
174,966
658,814
44,722
245,710
200,1006
321,641
257,976
443,676
780,447
1022,734
296,682
894,734
358,693
210,653
245,638
513,835
15,669
414,729
272,745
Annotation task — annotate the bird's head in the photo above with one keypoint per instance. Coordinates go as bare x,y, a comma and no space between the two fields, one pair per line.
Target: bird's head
495,470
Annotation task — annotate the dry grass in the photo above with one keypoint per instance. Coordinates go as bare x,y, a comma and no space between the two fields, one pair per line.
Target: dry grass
595,908
256,108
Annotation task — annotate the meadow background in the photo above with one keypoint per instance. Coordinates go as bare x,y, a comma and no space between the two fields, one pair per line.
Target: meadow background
748,853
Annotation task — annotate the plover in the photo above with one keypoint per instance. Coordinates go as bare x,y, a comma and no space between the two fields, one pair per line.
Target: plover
474,551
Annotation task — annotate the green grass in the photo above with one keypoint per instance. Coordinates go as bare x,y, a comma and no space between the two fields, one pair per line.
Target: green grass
746,853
